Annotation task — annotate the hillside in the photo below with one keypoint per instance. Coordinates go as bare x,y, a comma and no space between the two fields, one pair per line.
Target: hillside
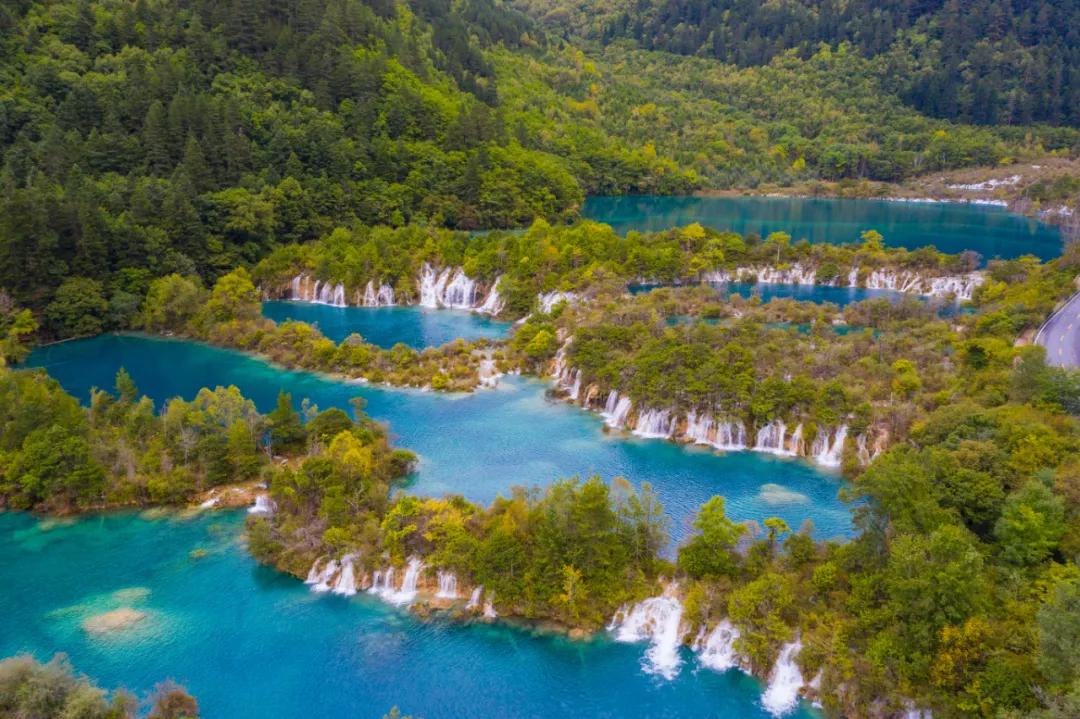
988,62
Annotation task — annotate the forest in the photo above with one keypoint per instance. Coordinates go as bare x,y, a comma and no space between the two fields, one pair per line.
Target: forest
988,62
140,140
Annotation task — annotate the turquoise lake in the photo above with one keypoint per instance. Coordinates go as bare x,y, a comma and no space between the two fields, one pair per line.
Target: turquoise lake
802,293
951,227
252,643
418,327
477,444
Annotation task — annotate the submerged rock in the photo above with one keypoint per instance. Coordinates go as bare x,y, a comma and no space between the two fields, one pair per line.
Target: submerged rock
116,620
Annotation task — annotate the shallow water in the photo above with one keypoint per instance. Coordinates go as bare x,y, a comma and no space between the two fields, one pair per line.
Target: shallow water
417,327
951,227
252,643
478,444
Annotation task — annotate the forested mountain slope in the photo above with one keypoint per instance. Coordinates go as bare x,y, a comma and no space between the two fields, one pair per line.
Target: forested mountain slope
991,62
139,139
189,136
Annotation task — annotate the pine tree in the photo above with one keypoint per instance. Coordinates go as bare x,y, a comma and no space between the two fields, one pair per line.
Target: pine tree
156,140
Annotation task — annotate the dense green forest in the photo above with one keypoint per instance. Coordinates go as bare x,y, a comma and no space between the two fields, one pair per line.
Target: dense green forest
56,455
138,140
988,62
149,138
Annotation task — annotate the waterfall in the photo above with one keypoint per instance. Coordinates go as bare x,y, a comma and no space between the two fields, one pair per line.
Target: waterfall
382,583
829,454
617,417
726,436
716,277
494,304
547,301
313,573
785,682
474,598
659,620
432,286
731,436
559,368
796,275
369,295
853,277
297,291
346,583
796,443
717,650
447,585
770,438
210,503
262,505
611,404
407,593
322,579
963,287
489,607
460,294
575,390
385,298
655,424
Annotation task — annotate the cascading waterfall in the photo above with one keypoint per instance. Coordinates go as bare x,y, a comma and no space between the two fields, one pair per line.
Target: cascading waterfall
460,294
559,368
494,304
447,585
717,650
346,583
432,286
407,593
474,598
611,404
782,694
796,443
382,583
262,505
659,620
826,453
963,287
770,438
730,436
655,424
489,607
548,300
313,573
384,297
725,436
322,581
617,417
575,389
325,293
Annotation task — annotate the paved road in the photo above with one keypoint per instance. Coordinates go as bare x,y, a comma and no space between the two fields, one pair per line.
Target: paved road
1061,335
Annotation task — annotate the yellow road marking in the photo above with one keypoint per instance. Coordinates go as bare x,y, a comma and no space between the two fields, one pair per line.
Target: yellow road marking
1059,350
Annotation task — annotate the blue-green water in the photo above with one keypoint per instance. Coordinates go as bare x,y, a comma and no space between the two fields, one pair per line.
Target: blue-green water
990,231
251,643
476,444
803,293
417,327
